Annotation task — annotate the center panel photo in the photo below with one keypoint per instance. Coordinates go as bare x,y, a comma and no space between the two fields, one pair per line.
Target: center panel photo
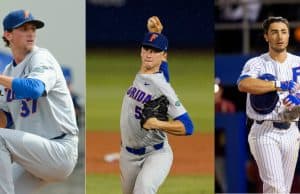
149,98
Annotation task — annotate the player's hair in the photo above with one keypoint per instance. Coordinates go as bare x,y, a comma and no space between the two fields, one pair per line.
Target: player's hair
5,40
272,19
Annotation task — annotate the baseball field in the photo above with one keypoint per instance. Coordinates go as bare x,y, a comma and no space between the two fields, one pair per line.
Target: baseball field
109,74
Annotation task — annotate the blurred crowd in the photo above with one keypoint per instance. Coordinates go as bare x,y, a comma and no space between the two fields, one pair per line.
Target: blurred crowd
253,12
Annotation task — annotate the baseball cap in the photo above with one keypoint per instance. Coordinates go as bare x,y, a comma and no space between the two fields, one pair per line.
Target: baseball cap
17,18
156,40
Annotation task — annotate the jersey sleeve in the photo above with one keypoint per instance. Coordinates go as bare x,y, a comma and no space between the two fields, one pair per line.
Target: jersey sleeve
43,68
252,68
176,108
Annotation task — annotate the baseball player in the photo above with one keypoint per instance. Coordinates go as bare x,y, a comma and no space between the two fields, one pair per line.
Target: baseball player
274,141
38,134
146,156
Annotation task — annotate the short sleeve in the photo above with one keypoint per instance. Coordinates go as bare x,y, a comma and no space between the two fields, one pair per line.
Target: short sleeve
252,68
43,68
176,108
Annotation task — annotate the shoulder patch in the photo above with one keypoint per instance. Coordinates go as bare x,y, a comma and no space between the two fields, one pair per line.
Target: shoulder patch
41,69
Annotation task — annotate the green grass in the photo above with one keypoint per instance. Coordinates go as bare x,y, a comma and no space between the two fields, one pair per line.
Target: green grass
110,184
110,73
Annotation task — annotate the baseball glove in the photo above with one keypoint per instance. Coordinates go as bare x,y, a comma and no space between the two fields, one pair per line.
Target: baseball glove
154,25
157,108
290,114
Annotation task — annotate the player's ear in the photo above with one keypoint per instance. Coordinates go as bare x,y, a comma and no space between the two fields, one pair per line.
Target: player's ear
165,55
266,38
7,35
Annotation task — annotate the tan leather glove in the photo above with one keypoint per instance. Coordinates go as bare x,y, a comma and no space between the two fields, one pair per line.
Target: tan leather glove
154,24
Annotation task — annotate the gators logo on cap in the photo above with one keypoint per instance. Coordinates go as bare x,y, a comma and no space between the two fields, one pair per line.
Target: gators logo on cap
26,14
153,37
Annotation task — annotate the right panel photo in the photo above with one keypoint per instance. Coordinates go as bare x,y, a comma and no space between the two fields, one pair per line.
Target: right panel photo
257,96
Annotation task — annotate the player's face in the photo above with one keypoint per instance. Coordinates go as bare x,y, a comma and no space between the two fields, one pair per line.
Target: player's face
22,38
278,37
151,58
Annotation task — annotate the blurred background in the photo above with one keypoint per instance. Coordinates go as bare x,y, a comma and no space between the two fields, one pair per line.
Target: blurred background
64,36
238,37
114,30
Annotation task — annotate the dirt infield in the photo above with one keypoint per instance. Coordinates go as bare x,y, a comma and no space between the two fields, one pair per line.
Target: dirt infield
193,155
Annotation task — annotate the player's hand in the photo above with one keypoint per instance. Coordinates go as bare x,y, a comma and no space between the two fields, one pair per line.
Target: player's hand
291,101
154,24
290,86
150,123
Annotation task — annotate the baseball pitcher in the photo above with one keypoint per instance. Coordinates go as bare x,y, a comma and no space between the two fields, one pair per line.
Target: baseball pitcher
38,134
272,83
150,110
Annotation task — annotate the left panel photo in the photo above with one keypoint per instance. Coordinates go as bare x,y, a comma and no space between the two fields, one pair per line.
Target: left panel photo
42,97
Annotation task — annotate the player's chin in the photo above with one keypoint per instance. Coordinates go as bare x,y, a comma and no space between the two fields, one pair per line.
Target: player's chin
29,45
148,65
280,49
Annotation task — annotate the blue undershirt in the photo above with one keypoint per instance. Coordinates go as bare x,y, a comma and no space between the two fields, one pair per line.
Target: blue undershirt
28,88
165,69
187,122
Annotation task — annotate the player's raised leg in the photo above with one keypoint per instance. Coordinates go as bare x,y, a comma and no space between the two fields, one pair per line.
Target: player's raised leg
40,156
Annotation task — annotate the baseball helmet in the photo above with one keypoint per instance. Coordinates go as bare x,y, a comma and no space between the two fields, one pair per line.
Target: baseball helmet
264,103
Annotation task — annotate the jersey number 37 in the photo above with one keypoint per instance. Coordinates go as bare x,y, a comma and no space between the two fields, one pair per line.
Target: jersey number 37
28,107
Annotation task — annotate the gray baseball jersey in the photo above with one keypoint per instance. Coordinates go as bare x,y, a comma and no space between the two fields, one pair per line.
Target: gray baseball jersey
146,87
55,111
151,167
44,142
275,149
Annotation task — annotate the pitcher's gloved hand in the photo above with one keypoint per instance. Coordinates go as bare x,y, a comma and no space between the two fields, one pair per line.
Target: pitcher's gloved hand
157,108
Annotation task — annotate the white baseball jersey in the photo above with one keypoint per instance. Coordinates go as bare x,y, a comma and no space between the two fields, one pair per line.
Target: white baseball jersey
275,150
146,87
288,70
55,117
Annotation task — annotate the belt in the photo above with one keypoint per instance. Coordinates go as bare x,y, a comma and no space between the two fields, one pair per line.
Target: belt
142,151
60,137
278,125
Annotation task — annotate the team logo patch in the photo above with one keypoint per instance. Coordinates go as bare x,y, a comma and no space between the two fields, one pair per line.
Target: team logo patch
153,37
40,69
177,103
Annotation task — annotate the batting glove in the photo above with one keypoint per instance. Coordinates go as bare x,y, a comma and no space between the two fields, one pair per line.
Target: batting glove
291,101
290,86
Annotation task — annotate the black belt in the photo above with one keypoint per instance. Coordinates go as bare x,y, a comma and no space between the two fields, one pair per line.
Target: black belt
278,125
142,151
60,137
